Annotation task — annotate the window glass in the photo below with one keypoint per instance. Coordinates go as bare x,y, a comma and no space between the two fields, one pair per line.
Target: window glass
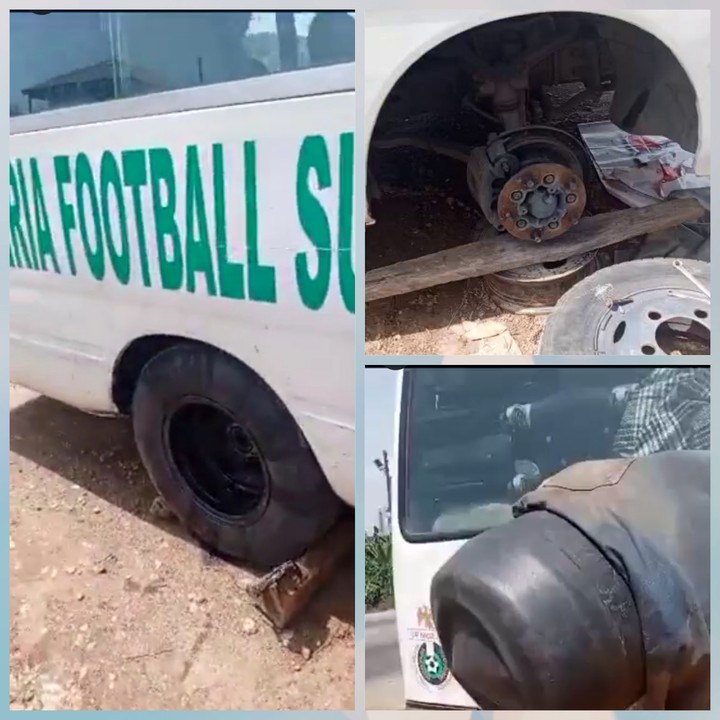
477,439
63,59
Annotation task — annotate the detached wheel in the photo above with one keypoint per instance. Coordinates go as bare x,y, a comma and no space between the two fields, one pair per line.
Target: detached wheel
228,458
641,307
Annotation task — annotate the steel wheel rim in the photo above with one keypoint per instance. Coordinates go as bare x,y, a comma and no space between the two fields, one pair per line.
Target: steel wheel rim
648,321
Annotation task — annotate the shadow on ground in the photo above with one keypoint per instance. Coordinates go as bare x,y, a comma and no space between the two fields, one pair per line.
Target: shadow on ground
99,455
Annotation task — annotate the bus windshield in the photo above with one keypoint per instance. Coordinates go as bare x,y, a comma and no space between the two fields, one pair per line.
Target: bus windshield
474,440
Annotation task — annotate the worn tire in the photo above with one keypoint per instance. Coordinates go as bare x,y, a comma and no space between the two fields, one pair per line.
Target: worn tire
571,327
299,505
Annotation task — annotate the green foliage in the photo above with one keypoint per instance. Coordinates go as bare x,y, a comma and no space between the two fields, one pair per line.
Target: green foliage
378,571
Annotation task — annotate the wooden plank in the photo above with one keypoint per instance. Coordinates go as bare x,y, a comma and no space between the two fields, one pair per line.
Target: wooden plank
502,252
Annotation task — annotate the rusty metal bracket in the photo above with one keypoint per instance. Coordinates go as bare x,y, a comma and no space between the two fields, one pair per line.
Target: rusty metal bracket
286,590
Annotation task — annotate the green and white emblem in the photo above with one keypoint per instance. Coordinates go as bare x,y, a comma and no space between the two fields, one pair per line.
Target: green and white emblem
432,664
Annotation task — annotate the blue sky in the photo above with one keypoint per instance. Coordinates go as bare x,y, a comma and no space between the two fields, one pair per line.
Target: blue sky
265,22
380,387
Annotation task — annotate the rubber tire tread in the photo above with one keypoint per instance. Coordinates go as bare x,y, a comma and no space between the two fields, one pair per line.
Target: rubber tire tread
301,505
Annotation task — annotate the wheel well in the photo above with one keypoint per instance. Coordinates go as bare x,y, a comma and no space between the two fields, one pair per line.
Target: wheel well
653,93
134,358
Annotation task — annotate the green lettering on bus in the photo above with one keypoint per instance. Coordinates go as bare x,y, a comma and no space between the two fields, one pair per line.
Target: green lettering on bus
345,230
26,213
198,256
231,275
67,212
111,182
135,176
23,257
85,186
261,278
99,211
46,246
162,172
313,158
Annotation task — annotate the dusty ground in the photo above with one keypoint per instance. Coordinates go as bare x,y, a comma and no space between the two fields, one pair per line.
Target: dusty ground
433,322
115,608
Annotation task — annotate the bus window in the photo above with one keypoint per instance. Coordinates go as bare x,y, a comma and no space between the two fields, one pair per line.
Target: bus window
93,57
330,38
474,440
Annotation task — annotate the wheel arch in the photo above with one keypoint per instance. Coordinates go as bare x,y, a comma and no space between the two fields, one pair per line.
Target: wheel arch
638,19
324,436
132,359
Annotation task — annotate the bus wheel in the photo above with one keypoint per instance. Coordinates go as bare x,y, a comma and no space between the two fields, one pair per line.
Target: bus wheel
639,307
228,458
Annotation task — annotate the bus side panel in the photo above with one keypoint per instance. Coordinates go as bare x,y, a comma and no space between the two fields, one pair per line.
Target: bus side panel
243,210
414,565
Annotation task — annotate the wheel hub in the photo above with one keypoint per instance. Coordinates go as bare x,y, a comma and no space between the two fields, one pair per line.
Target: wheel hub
541,202
530,182
661,321
217,458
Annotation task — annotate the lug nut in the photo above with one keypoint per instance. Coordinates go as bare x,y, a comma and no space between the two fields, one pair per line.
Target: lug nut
521,223
571,199
549,179
517,195
554,225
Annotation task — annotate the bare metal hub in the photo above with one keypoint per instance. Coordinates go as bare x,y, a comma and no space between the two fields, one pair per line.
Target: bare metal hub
541,201
529,182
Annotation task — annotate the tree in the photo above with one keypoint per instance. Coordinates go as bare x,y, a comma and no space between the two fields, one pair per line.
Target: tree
378,570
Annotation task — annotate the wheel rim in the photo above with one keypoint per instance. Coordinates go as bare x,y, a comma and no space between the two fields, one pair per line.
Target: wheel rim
661,321
218,459
538,285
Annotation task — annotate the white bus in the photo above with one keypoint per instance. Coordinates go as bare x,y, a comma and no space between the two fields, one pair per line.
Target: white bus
181,251
470,441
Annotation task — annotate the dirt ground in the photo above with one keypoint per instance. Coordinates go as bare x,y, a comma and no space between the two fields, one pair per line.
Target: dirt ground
115,608
434,322
426,207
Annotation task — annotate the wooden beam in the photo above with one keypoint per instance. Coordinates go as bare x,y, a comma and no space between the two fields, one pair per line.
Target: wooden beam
495,253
